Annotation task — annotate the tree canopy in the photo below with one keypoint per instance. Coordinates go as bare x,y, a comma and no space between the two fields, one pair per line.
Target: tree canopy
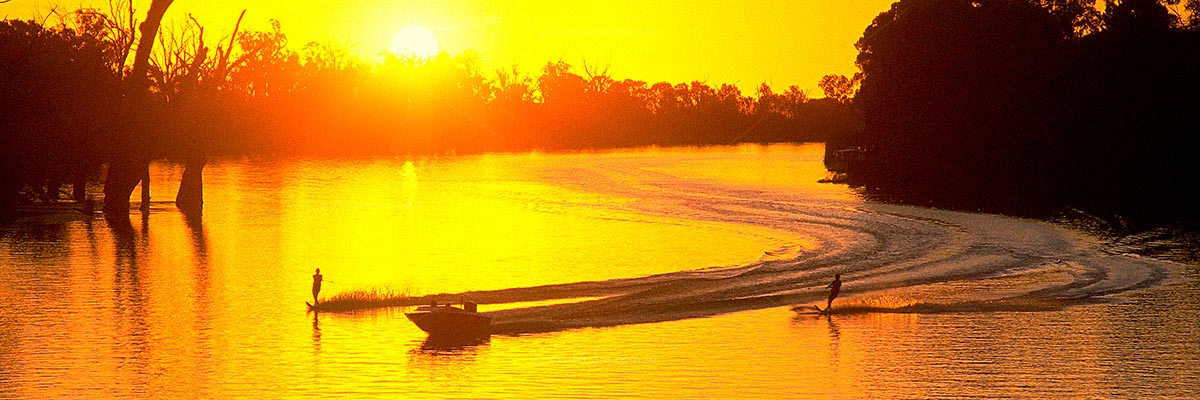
1021,104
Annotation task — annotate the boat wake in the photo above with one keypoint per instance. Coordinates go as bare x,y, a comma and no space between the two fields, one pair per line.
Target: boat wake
1008,305
936,261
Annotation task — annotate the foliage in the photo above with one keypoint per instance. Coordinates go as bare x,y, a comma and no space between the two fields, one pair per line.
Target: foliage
839,87
54,86
1018,105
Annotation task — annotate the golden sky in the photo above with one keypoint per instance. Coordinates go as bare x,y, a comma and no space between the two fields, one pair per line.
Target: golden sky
781,43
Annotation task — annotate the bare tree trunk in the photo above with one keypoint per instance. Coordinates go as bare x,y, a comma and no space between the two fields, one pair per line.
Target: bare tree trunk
190,199
146,188
127,168
124,173
149,28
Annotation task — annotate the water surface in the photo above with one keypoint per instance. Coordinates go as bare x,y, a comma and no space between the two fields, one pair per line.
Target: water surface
688,263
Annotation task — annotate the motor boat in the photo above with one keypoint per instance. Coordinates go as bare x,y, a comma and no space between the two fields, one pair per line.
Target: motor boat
448,320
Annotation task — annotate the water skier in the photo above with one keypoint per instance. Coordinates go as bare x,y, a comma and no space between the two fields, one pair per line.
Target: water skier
834,287
317,278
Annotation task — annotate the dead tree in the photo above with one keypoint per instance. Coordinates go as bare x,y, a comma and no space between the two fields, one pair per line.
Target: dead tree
190,198
131,164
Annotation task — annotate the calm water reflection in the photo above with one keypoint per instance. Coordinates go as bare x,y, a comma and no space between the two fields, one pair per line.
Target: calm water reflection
167,307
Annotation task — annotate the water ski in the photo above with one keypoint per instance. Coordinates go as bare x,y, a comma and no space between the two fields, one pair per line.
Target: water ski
310,306
826,311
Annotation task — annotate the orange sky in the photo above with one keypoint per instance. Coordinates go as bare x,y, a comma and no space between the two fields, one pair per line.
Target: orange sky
781,43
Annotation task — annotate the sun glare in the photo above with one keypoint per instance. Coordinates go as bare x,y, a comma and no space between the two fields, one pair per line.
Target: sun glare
415,41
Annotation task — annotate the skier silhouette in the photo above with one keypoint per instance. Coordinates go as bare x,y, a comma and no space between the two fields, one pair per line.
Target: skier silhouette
834,288
317,278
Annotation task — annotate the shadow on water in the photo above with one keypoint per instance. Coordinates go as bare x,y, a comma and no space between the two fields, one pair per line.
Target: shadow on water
195,226
129,297
121,227
1163,232
316,332
203,281
451,344
835,339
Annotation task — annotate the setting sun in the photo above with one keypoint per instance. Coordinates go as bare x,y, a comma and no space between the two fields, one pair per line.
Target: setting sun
415,41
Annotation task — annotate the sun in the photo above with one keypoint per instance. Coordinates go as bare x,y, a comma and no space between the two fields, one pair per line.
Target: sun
415,41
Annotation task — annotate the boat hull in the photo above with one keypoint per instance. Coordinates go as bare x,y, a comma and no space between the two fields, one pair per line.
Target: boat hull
451,321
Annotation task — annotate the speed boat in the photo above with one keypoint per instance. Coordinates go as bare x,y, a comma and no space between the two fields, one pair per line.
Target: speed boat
447,320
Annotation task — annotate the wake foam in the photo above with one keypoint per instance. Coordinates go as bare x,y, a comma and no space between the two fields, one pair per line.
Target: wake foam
940,261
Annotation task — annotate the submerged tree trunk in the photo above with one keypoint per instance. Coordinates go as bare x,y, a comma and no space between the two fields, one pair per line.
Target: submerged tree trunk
190,199
127,168
123,176
146,187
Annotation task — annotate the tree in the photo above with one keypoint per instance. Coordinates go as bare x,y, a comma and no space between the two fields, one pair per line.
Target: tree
558,84
130,163
266,67
1193,9
1011,103
1147,16
55,83
954,90
839,87
187,79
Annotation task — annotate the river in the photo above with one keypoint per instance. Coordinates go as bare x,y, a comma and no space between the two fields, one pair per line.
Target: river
677,273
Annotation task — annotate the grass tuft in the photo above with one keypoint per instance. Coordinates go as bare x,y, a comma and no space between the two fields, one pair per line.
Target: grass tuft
364,299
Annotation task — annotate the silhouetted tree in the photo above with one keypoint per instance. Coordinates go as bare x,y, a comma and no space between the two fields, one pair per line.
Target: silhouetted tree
1017,105
55,86
950,89
1146,17
1193,9
839,87
129,163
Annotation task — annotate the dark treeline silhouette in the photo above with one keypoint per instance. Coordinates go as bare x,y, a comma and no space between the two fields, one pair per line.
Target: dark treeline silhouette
56,96
320,101
65,112
1026,106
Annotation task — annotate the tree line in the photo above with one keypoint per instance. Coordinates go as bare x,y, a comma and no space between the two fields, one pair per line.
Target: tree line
66,108
1023,105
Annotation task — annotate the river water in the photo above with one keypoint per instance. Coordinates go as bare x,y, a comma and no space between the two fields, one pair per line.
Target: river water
676,273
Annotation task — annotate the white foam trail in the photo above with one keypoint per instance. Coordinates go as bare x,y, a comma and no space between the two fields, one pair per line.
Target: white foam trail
927,260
